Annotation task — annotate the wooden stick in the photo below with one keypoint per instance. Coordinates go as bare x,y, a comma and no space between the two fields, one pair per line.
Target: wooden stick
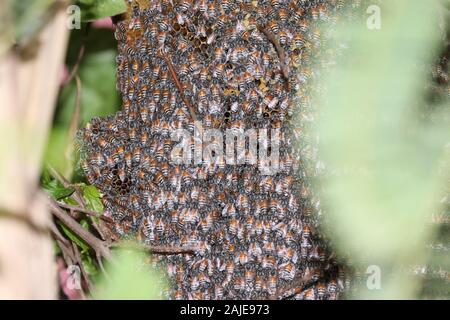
86,211
178,84
95,243
280,51
296,287
161,249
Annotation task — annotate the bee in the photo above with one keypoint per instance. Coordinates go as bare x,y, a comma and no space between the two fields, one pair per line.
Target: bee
144,114
159,153
136,155
266,60
130,95
218,70
203,279
218,292
118,154
283,15
272,284
206,223
268,262
321,289
316,36
202,199
202,95
203,6
180,114
161,38
158,178
242,258
272,26
266,184
162,81
178,295
186,178
233,225
298,40
167,109
303,25
221,21
230,267
315,13
253,95
239,283
144,138
309,294
306,232
287,271
132,131
184,5
156,95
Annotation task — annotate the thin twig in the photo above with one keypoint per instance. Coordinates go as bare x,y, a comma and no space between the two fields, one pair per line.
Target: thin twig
80,54
296,287
168,61
81,266
67,254
86,211
95,243
56,234
160,249
280,51
77,195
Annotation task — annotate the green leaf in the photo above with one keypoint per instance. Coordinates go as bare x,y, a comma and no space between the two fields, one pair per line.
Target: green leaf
71,201
96,9
89,264
93,198
74,238
57,190
56,147
130,277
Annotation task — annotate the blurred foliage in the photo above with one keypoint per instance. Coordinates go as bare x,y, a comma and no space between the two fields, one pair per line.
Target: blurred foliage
98,95
96,9
93,198
381,183
130,277
29,16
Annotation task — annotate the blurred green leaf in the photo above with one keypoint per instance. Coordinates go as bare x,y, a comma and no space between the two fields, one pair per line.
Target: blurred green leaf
74,238
97,72
70,201
383,186
130,278
56,147
89,264
29,16
93,198
55,189
96,9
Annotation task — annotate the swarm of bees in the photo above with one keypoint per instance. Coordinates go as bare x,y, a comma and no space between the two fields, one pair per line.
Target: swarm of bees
229,64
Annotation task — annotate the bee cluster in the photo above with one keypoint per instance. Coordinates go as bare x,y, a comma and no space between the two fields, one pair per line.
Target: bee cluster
230,64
